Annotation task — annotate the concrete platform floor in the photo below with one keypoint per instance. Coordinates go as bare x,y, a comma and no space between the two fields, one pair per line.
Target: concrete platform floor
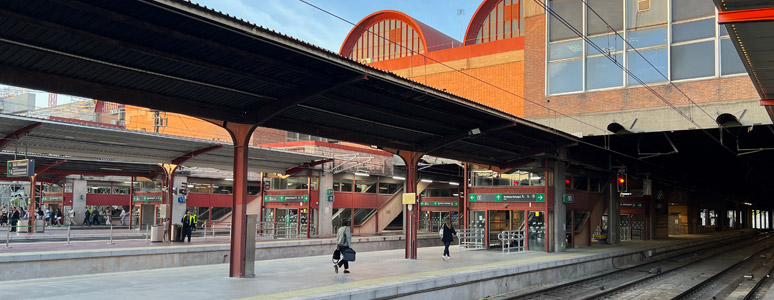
311,277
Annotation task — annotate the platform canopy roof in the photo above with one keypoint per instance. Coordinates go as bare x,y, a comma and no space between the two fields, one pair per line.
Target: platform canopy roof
115,151
750,25
179,57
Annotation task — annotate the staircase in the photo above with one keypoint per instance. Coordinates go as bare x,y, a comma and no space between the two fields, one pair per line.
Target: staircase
387,212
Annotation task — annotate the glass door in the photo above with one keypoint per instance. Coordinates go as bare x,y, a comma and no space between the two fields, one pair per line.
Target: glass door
536,231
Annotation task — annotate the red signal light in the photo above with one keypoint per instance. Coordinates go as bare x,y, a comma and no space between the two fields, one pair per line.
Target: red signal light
621,180
566,181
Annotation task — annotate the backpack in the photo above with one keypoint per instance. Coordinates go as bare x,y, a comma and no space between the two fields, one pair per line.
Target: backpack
440,232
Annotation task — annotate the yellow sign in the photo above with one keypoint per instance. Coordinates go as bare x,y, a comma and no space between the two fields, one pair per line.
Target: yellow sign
409,198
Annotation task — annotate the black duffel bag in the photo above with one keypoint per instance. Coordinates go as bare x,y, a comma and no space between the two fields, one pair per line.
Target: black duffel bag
349,254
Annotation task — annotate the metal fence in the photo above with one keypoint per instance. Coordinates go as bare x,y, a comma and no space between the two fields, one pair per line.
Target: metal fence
471,238
278,230
511,240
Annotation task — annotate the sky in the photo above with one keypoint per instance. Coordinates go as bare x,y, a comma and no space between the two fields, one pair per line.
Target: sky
304,22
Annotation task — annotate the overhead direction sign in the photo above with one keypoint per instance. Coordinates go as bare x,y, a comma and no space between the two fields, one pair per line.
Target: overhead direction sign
20,168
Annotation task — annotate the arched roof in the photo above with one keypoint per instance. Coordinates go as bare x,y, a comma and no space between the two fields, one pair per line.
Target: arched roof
478,19
428,35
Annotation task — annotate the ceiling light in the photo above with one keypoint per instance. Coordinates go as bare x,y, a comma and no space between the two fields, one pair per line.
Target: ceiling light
535,178
398,178
426,180
362,174
454,183
229,179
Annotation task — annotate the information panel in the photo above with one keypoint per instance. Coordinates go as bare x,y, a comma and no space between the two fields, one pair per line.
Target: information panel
507,197
20,168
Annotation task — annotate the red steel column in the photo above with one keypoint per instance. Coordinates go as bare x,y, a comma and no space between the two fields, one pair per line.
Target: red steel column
309,203
465,192
240,133
32,211
412,216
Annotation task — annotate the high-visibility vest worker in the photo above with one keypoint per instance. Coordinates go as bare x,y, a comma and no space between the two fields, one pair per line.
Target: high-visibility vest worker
193,220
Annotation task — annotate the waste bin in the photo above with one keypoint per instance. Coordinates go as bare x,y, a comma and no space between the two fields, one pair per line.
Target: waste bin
177,233
40,226
157,233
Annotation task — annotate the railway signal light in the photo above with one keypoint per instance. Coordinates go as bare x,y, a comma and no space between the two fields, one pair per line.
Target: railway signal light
621,182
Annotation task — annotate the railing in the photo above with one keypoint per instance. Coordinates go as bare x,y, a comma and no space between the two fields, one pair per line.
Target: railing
511,240
211,229
471,238
278,230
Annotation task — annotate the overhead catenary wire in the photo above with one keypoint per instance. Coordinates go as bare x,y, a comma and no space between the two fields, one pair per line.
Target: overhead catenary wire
452,68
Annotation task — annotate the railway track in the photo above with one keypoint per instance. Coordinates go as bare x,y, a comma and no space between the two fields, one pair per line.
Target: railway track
682,275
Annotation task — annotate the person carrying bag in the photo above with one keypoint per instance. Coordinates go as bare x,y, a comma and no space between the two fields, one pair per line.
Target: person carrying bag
343,253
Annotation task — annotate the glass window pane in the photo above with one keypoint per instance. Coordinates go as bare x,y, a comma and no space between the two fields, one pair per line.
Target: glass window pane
572,12
693,60
603,73
643,70
564,76
723,30
608,43
611,12
693,30
648,37
565,50
730,63
639,16
691,9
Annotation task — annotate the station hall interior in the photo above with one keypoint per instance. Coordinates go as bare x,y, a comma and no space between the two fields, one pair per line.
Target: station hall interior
569,123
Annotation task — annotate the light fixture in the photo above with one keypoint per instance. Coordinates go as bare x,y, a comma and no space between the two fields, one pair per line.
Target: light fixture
475,131
228,179
398,178
426,180
747,203
190,185
362,174
454,183
535,178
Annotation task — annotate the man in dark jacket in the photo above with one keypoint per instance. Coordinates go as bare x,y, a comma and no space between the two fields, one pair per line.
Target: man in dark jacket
186,226
87,219
14,219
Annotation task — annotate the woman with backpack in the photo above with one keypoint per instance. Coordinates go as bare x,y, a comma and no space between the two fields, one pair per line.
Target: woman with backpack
447,236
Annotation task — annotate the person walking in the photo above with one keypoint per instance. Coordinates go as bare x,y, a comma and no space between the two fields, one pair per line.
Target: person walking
186,226
448,237
87,218
14,219
71,216
4,216
343,239
95,217
123,216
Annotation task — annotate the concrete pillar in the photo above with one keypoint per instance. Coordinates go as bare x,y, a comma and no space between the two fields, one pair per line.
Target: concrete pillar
178,209
560,211
79,199
613,212
325,211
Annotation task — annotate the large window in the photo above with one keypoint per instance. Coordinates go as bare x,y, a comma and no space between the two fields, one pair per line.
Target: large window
513,178
503,22
665,40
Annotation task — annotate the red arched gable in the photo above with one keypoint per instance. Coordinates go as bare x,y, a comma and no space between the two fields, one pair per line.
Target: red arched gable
428,35
478,19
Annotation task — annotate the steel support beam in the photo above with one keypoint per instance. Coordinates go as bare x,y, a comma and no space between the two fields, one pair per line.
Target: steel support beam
185,157
48,166
747,15
15,135
240,134
411,212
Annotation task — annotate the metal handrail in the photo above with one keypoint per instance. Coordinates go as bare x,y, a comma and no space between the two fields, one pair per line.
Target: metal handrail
513,239
471,238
